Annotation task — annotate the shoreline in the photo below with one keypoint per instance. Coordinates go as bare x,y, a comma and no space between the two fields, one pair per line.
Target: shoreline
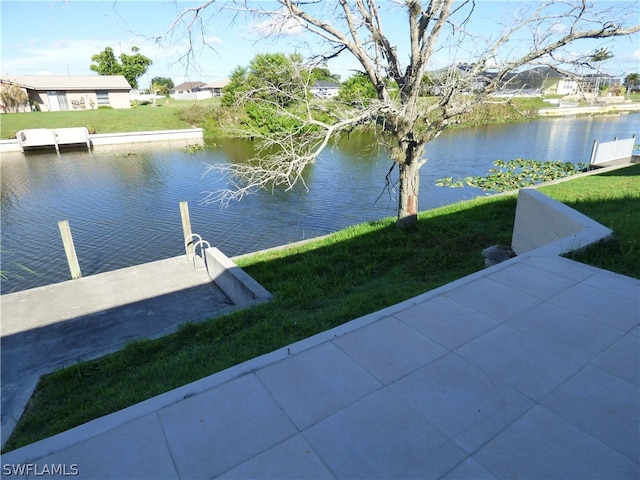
599,110
186,137
182,138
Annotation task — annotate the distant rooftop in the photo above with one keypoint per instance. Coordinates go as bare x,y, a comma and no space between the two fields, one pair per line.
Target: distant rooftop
68,82
217,84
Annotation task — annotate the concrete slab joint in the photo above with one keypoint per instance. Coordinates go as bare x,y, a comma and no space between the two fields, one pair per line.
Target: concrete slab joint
550,227
234,282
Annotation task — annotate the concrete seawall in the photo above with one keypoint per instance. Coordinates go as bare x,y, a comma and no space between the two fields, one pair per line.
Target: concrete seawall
621,108
101,141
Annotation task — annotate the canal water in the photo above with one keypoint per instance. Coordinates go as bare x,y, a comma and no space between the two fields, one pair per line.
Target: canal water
123,206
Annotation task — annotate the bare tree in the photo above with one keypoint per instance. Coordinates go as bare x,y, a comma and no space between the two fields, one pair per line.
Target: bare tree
536,33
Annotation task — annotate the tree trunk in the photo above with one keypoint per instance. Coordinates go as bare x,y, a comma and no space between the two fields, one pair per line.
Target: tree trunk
408,194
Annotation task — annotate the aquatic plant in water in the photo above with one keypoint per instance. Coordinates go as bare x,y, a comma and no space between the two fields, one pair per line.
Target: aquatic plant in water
515,174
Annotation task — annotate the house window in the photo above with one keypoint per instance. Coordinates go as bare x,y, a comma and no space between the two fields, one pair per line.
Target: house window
103,97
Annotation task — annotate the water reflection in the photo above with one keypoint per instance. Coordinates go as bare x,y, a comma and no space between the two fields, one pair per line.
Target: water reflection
122,205
236,150
361,145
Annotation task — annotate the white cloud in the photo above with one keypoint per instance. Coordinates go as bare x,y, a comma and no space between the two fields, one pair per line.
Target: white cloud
557,29
57,57
630,57
73,56
214,40
278,24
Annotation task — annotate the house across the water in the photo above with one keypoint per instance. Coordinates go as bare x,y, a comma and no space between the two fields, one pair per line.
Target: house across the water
51,93
198,90
216,87
325,89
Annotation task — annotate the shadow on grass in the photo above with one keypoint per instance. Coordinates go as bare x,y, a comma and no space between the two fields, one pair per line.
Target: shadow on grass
622,253
316,287
613,199
632,171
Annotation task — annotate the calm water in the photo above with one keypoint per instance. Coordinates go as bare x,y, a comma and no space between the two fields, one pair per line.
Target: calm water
123,207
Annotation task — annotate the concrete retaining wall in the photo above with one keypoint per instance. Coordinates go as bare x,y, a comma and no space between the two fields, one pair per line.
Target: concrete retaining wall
551,227
182,137
234,282
192,135
595,110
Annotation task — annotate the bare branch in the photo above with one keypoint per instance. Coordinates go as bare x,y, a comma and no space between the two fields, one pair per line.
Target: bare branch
388,184
282,158
538,34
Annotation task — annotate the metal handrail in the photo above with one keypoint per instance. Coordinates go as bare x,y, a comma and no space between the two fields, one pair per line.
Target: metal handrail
187,240
201,243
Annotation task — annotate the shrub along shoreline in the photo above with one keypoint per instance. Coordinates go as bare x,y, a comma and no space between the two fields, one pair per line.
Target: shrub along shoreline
322,284
210,114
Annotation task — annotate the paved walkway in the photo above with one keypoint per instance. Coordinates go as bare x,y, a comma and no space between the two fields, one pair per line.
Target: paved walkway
528,369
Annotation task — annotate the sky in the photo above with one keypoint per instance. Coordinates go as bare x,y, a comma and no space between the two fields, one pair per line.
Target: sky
58,37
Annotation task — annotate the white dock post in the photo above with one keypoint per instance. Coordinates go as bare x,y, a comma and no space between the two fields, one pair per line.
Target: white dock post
186,224
69,249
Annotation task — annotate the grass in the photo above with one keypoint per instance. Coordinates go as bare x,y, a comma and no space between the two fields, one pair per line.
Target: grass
323,284
167,115
503,110
316,287
613,199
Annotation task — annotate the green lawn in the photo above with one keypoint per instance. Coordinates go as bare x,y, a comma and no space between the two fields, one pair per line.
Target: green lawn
323,284
167,115
613,199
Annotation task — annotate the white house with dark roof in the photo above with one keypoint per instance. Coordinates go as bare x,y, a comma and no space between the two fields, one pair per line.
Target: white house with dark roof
325,89
544,80
50,93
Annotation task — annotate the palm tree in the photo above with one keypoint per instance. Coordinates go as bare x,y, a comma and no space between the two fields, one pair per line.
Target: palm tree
632,78
632,82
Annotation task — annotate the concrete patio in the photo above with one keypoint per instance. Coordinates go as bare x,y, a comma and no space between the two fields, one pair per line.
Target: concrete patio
528,369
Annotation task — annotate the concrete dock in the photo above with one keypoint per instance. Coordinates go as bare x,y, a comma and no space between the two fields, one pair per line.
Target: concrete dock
56,325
